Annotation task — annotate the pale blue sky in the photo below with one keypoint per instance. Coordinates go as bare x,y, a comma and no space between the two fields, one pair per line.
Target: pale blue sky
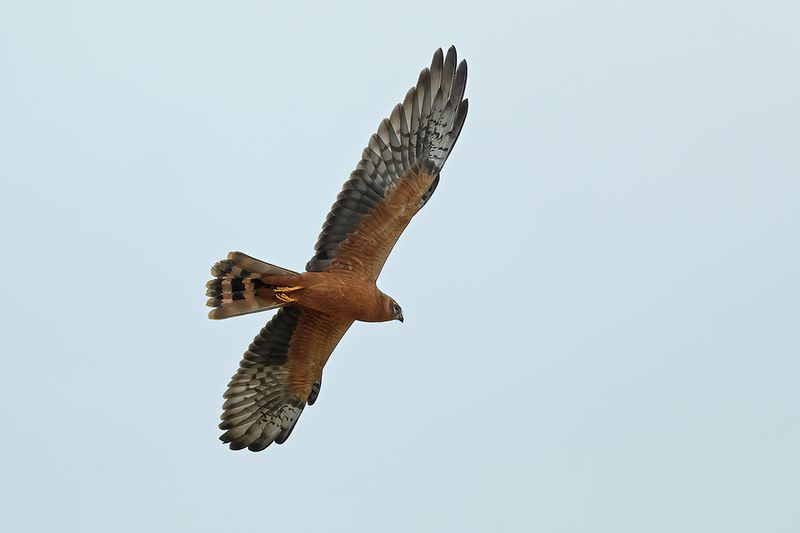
602,299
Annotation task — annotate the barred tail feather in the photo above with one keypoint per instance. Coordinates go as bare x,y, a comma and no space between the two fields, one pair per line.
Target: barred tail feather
237,287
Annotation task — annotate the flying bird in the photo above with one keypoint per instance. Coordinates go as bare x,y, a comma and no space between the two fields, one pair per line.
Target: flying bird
281,371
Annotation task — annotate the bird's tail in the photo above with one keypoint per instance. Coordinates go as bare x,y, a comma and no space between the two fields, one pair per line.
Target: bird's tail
238,287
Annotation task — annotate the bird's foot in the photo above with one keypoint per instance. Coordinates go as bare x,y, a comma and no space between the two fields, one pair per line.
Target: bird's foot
280,293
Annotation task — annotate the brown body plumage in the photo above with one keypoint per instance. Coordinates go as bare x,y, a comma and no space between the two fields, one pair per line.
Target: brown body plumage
339,294
282,370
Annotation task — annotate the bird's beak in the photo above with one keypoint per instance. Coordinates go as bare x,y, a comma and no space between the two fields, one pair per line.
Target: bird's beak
400,318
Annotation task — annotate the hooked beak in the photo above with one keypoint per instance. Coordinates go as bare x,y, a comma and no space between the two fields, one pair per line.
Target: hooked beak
400,317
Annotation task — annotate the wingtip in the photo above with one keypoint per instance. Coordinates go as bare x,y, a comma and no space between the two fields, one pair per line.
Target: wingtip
424,77
451,56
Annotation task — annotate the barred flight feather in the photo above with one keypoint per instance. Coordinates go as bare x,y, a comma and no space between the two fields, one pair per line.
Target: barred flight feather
238,288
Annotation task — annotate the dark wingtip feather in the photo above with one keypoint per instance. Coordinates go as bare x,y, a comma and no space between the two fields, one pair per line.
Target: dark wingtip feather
260,445
437,65
461,116
459,83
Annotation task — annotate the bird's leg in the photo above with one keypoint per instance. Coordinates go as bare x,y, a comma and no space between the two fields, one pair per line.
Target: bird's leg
282,297
280,293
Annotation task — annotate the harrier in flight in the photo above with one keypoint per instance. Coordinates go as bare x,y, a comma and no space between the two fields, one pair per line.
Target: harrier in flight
282,369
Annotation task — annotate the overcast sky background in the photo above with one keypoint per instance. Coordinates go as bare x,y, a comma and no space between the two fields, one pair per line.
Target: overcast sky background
602,299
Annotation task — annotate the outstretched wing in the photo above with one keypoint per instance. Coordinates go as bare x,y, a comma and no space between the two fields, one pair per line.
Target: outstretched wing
398,172
280,373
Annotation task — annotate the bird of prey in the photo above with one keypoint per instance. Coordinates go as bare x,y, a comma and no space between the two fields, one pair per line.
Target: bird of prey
281,371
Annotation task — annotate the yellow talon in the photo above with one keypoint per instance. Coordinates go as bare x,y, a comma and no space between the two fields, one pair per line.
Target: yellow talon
282,297
287,289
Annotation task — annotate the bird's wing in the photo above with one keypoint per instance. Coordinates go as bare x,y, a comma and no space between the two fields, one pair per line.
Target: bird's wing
397,174
280,373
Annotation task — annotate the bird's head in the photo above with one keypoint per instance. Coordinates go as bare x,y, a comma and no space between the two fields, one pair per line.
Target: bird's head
396,311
